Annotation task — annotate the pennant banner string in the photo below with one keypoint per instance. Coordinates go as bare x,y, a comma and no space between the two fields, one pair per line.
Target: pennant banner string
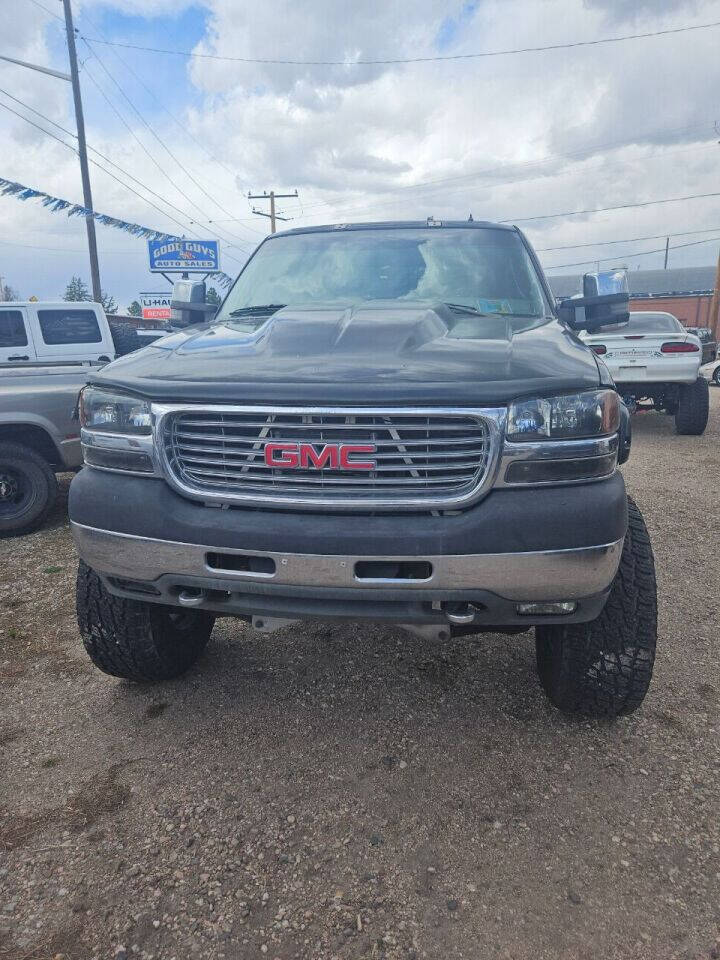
56,204
10,188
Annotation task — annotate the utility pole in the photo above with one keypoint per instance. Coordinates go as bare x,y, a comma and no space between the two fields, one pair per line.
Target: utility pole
272,197
82,152
667,250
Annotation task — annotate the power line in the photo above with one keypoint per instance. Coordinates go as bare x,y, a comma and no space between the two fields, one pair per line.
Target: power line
162,106
627,256
172,116
164,146
404,60
621,206
49,12
101,167
582,154
605,243
34,246
94,162
142,146
183,226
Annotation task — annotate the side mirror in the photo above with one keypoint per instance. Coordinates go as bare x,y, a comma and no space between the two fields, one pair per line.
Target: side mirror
188,305
604,302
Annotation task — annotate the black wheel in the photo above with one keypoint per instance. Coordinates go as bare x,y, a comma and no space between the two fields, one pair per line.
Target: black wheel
693,409
716,375
125,337
28,488
604,668
136,640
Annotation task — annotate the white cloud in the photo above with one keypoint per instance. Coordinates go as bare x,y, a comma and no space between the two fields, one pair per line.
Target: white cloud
620,122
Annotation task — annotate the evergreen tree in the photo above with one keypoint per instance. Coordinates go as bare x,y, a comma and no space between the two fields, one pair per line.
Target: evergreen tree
212,296
77,290
135,310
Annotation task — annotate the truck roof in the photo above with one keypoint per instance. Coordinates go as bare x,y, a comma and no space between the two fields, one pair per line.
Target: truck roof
396,225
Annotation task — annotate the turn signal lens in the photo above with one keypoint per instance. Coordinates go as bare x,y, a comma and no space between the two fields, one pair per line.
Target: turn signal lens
547,609
599,348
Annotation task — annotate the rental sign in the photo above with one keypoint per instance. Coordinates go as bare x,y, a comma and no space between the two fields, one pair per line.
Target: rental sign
191,256
155,306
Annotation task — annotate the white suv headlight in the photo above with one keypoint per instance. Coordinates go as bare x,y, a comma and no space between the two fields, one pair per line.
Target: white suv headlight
568,417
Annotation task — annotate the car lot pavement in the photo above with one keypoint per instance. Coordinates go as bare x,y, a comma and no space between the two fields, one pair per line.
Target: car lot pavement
351,792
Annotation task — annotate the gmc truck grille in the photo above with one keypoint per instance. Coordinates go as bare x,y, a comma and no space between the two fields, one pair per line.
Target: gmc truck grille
359,459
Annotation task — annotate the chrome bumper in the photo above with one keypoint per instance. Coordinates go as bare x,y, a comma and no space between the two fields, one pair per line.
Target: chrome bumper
534,576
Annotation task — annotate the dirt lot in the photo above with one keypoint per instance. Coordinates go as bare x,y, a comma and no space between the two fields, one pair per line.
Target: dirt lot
353,792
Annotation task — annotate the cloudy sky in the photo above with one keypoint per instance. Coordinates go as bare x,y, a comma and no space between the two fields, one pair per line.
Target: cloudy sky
504,138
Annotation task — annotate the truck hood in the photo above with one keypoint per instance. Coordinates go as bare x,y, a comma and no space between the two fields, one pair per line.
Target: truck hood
374,352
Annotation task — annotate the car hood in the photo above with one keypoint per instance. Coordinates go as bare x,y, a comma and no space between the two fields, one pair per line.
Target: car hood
373,352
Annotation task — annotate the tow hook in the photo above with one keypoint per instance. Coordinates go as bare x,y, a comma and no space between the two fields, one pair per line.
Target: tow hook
191,597
459,613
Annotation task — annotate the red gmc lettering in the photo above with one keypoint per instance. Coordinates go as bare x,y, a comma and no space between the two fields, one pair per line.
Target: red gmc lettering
282,455
331,456
328,456
348,448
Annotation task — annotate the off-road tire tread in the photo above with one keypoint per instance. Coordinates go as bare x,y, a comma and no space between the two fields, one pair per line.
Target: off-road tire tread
134,639
125,337
604,668
18,451
693,409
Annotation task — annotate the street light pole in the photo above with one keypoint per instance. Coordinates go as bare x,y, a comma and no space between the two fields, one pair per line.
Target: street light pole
82,152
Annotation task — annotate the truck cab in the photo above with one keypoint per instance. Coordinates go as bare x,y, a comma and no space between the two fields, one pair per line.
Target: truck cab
55,331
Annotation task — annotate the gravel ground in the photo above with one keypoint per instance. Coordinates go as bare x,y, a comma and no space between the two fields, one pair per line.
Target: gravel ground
353,792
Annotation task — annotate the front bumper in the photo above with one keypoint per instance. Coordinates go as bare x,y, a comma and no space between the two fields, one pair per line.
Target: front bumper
515,546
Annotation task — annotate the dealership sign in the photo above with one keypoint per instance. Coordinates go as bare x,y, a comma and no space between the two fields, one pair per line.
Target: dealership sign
155,306
191,256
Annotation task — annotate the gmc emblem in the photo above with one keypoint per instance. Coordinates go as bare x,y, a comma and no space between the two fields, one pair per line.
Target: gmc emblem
329,456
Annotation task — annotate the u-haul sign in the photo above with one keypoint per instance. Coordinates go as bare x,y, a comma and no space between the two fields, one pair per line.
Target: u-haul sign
155,306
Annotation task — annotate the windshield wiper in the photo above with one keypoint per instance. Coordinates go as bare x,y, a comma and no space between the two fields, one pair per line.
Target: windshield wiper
259,310
464,308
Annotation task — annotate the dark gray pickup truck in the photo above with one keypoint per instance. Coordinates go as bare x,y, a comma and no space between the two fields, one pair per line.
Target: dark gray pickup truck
386,422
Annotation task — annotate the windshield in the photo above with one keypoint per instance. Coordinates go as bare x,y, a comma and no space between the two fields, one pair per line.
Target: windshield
486,269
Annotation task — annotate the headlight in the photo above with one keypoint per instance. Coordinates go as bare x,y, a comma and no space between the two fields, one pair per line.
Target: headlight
107,412
571,417
116,431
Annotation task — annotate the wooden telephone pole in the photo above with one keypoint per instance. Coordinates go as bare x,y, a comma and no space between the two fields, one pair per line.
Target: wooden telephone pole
272,197
82,153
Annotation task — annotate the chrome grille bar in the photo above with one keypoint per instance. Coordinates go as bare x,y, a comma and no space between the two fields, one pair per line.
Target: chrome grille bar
425,459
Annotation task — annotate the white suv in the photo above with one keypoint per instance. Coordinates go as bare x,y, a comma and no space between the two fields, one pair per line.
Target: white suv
655,362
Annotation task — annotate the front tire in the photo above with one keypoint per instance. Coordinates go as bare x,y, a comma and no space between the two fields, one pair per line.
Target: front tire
28,488
136,640
716,376
693,409
603,668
